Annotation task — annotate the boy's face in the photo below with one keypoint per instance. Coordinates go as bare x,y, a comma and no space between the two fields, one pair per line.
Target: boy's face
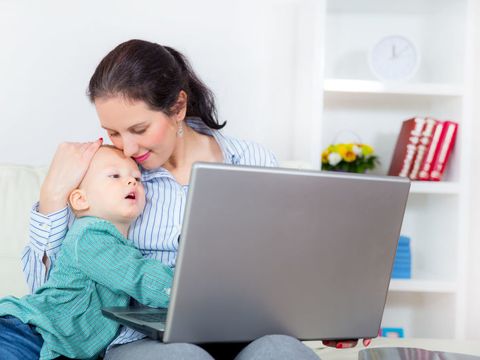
111,188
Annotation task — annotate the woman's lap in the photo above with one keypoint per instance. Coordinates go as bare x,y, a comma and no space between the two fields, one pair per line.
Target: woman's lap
281,347
278,347
19,341
147,349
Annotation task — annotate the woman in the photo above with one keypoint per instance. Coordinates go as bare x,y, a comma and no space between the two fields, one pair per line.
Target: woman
158,112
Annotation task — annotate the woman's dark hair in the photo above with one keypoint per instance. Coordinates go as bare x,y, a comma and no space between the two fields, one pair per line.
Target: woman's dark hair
155,74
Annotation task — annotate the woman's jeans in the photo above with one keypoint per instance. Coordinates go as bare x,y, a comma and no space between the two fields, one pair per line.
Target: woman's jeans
18,341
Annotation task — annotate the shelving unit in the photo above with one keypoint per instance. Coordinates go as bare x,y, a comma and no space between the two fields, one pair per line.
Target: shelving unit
423,286
443,187
376,87
432,303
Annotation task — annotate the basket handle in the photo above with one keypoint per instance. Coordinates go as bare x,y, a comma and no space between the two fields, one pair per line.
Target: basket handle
352,134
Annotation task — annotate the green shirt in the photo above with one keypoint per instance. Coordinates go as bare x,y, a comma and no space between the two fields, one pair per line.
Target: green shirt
97,267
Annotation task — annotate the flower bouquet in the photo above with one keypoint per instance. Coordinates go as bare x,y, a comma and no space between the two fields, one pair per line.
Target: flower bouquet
351,157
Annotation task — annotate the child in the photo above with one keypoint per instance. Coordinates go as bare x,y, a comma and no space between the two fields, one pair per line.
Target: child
97,267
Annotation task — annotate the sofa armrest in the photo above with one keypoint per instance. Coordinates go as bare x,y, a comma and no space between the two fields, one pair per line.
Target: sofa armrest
19,189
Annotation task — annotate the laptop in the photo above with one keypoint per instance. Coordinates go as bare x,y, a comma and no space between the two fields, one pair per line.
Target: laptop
279,251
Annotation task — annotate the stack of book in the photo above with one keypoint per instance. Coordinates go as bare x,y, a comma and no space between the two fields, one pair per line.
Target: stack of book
423,148
402,266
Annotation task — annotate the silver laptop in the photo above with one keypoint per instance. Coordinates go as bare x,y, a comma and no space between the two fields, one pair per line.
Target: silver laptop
276,251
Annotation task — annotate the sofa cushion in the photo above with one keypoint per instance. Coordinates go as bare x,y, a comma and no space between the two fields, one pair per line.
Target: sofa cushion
19,189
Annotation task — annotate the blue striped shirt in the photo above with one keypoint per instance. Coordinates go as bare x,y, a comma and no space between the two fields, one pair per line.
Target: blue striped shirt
156,232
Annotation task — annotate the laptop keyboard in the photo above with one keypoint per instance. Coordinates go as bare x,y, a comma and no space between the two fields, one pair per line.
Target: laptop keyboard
149,317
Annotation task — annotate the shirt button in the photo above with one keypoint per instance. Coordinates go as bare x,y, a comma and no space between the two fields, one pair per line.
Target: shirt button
45,226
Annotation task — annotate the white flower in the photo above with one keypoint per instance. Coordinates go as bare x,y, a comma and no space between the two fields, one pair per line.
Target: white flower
356,149
334,158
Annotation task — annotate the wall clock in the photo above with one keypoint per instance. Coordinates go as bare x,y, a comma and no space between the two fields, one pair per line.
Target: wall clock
394,58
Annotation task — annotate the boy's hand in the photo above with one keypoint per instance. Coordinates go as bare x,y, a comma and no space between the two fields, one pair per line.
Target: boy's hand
68,167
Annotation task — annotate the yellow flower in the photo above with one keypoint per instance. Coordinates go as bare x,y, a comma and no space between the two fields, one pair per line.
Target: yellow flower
346,152
349,156
367,149
341,149
325,154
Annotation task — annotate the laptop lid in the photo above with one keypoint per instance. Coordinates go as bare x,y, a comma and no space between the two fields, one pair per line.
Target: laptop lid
276,251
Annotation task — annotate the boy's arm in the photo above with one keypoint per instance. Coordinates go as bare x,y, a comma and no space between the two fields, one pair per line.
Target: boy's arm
46,234
109,261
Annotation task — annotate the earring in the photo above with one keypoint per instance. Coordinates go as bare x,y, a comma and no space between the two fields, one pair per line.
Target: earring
180,129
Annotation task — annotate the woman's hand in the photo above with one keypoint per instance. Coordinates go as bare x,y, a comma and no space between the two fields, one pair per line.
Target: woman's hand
345,344
68,167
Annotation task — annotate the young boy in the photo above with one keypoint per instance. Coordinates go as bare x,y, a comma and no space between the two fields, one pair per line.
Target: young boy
97,267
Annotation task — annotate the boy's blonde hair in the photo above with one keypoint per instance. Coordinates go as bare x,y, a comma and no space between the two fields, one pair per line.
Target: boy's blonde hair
108,146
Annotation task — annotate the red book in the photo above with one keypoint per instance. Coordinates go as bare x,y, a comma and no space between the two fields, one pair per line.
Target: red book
426,167
406,147
446,143
422,147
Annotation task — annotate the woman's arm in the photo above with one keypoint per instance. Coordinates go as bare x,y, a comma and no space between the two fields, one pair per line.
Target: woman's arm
45,239
50,217
256,155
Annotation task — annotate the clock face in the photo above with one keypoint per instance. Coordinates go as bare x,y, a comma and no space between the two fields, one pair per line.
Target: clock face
394,58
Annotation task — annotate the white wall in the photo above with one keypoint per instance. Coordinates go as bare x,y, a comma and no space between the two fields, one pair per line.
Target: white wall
244,50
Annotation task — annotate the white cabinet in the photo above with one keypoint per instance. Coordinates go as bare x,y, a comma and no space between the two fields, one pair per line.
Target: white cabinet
432,303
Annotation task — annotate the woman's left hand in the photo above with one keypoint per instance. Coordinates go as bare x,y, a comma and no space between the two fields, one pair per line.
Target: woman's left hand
345,344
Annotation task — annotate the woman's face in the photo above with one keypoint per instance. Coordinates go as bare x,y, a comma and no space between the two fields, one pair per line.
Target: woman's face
148,136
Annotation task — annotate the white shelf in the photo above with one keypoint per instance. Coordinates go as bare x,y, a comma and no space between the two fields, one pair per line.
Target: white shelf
376,87
431,187
422,286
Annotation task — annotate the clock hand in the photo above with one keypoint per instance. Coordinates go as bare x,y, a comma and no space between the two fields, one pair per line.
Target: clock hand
403,50
394,54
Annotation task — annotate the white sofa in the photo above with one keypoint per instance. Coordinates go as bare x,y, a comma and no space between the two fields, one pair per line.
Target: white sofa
19,188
